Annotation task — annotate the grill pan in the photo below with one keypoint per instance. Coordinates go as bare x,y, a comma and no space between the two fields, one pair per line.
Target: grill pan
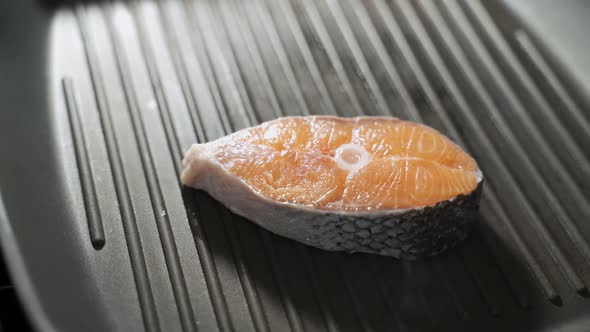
104,97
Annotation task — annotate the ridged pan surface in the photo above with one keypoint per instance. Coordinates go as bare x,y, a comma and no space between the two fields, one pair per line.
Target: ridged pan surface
133,85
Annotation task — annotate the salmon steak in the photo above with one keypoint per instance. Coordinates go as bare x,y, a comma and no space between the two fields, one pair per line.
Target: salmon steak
366,184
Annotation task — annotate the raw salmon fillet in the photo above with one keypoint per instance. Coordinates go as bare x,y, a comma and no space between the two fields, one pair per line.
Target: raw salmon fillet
367,184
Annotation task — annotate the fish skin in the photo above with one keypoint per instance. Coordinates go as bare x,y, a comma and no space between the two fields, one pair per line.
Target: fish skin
406,234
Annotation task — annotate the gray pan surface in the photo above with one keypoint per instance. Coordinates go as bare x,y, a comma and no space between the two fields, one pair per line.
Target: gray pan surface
100,100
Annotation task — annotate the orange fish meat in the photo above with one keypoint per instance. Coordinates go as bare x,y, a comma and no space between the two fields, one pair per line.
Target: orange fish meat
365,184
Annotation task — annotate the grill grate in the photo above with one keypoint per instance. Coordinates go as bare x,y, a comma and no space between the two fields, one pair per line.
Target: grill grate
149,78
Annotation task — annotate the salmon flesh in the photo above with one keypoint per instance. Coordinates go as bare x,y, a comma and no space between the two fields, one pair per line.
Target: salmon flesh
366,184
